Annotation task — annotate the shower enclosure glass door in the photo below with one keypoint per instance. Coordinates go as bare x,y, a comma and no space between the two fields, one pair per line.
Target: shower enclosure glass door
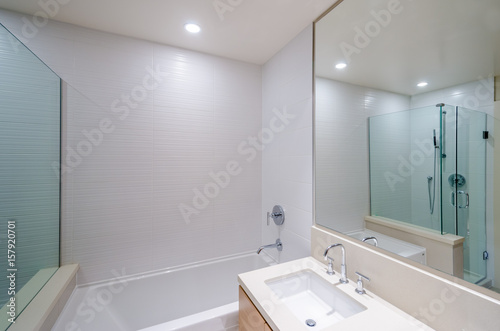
428,168
463,183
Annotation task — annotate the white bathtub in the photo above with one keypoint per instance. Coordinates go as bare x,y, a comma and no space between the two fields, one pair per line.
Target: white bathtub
400,247
198,297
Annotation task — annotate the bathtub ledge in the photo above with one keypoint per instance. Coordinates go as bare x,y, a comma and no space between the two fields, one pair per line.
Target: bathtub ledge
43,310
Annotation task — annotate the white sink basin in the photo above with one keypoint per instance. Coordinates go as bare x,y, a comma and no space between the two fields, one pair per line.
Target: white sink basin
310,297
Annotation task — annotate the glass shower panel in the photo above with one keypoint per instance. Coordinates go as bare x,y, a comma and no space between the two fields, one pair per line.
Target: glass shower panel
390,182
492,208
404,166
470,190
425,160
429,167
29,183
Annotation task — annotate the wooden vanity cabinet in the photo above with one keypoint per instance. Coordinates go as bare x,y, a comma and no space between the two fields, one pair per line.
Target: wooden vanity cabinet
249,317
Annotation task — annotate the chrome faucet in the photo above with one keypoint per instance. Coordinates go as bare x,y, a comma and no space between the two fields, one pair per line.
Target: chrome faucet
365,239
343,272
277,244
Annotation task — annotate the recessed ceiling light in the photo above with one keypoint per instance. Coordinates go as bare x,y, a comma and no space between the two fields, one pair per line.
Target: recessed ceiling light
191,27
422,84
341,65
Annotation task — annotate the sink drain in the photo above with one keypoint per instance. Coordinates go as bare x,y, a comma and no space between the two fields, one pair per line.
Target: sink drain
310,322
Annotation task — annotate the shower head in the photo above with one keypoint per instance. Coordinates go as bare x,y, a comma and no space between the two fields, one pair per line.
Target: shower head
434,138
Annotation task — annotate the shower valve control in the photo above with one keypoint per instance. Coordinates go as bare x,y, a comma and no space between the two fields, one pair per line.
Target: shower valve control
278,215
456,179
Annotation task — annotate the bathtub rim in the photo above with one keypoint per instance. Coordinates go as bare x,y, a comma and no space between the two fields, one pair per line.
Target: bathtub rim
263,259
146,274
394,241
197,319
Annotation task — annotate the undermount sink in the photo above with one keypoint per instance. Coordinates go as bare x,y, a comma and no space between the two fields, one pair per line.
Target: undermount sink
313,300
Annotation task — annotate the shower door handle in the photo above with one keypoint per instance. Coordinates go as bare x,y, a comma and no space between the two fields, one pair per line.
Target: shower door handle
466,199
453,201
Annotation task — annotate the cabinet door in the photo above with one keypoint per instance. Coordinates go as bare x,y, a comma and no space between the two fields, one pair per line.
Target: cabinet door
249,317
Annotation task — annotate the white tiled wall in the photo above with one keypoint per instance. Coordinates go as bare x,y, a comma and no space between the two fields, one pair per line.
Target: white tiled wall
160,138
287,160
390,173
342,174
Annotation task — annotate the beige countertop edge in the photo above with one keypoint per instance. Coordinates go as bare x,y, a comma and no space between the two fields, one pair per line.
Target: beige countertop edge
380,314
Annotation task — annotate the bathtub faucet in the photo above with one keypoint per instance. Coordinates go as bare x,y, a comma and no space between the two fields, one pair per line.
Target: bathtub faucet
277,244
365,239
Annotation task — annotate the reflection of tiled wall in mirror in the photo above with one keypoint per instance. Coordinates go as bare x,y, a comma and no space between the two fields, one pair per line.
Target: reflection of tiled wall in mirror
475,95
496,189
497,88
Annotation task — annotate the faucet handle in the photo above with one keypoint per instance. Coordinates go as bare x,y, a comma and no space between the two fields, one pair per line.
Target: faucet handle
330,266
359,287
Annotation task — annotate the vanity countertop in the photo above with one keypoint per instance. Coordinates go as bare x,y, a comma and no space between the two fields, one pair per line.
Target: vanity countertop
379,315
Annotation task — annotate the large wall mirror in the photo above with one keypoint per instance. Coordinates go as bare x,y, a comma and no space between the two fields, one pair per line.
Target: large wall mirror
406,120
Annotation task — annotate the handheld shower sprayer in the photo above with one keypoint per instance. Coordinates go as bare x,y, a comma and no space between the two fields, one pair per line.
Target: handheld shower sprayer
431,180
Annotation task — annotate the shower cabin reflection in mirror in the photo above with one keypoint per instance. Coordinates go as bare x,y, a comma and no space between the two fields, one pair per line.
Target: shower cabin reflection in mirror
405,121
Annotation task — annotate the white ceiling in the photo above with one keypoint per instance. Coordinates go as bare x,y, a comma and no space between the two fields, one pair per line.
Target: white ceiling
445,42
247,30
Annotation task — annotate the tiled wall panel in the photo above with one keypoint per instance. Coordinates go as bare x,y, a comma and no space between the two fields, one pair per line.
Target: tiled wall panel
171,117
287,154
342,172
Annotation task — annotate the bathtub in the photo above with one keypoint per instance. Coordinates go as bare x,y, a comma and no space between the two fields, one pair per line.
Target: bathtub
196,297
400,247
